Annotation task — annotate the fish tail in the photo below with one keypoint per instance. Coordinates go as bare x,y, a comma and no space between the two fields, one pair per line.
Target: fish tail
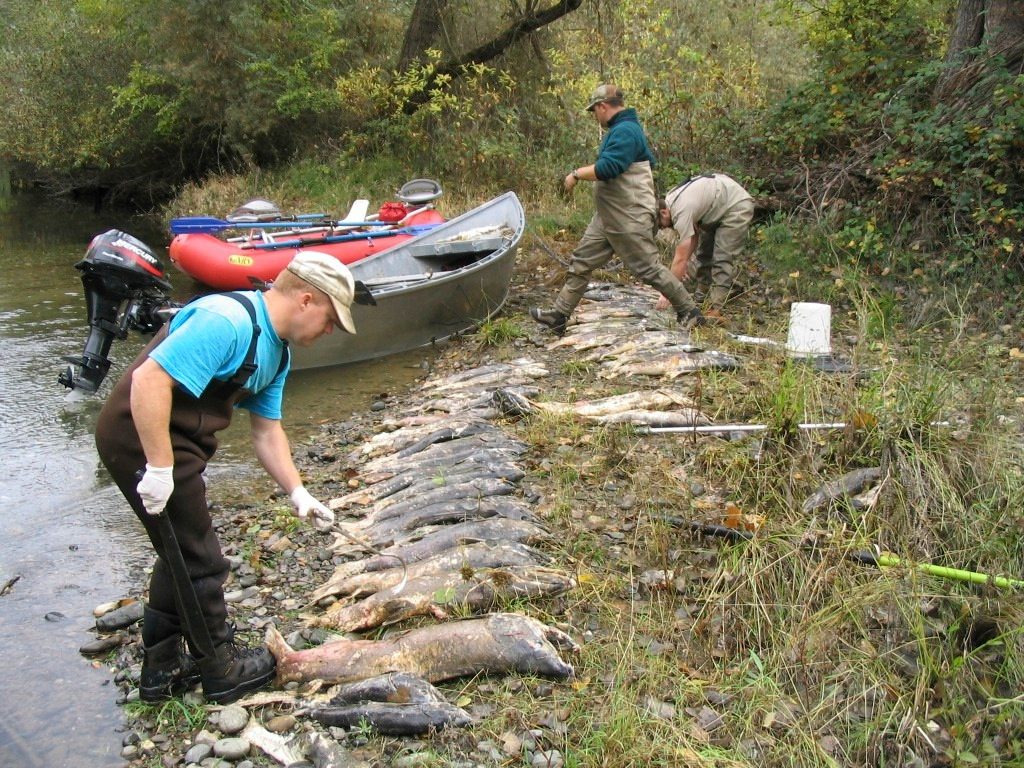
277,644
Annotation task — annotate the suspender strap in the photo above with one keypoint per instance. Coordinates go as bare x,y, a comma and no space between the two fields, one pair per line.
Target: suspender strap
248,367
677,191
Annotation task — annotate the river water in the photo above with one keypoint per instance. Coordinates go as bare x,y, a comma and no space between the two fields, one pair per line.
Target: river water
69,540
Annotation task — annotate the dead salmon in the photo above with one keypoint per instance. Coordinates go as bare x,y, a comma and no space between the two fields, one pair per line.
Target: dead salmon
475,488
395,704
396,440
670,366
685,417
477,452
475,556
416,481
589,340
385,533
422,544
430,595
487,373
496,644
849,484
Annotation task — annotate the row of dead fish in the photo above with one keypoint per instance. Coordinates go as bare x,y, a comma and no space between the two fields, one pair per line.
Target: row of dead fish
435,524
620,330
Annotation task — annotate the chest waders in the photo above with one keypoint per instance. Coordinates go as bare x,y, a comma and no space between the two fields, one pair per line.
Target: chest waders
623,225
190,570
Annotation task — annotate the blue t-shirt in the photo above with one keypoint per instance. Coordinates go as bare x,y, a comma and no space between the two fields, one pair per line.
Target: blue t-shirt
217,332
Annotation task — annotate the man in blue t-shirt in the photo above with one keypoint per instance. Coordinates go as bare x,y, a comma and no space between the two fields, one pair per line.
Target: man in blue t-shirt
157,431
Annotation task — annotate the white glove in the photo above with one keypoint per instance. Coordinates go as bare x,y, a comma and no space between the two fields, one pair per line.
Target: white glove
304,503
155,488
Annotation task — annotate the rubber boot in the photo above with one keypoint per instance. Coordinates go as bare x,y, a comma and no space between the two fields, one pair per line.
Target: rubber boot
167,670
718,297
235,670
555,321
692,319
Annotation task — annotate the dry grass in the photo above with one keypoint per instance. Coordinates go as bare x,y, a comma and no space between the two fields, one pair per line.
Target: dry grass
783,650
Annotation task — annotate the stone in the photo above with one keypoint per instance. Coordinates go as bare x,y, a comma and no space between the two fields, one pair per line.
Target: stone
123,617
198,753
511,743
662,710
415,760
551,758
101,645
281,723
231,748
232,720
205,737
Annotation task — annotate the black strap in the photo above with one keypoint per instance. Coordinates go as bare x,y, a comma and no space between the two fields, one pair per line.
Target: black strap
248,367
678,190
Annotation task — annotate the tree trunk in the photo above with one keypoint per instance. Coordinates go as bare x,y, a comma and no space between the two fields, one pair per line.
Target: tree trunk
1004,29
981,30
968,28
425,28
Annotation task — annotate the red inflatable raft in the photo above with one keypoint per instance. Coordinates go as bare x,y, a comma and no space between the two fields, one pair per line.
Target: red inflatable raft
236,264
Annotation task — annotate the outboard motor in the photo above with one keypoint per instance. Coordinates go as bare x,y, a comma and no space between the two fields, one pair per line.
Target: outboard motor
126,287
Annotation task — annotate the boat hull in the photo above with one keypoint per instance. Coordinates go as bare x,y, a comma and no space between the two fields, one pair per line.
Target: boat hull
230,266
428,289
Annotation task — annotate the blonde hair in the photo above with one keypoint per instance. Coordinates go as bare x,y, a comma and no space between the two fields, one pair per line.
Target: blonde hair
290,284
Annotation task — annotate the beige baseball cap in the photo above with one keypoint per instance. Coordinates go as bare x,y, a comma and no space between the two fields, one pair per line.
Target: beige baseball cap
603,93
329,275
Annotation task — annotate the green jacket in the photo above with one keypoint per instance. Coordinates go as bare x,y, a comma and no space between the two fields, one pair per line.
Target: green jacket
624,144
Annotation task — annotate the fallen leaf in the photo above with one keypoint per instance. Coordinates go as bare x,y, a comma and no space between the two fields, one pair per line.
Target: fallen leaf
753,522
863,420
733,516
1016,354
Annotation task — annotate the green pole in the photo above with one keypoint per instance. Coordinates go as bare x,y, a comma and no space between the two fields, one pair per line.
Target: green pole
958,574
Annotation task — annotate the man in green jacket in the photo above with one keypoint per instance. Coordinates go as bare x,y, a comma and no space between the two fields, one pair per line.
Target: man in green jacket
624,219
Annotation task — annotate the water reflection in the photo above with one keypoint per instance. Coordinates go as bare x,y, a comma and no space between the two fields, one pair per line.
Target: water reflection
68,535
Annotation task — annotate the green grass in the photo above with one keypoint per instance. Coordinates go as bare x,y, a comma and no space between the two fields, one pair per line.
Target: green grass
173,715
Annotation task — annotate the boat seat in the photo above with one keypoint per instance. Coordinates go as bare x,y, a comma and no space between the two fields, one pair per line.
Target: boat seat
419,191
358,210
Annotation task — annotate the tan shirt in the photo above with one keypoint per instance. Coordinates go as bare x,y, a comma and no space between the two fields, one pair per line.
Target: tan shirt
703,201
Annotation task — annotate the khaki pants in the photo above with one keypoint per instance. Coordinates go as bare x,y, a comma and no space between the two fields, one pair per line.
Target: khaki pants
720,246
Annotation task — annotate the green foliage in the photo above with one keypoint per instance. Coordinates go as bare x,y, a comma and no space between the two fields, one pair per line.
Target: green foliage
465,128
875,129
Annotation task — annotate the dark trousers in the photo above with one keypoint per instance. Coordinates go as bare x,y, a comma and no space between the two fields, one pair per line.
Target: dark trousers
194,422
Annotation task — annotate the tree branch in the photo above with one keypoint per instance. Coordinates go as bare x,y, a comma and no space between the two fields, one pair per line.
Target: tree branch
520,28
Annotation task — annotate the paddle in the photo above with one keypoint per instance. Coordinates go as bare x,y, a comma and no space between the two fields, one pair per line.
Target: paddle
418,229
188,225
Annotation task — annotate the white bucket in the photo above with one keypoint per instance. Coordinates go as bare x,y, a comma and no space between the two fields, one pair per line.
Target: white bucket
810,330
